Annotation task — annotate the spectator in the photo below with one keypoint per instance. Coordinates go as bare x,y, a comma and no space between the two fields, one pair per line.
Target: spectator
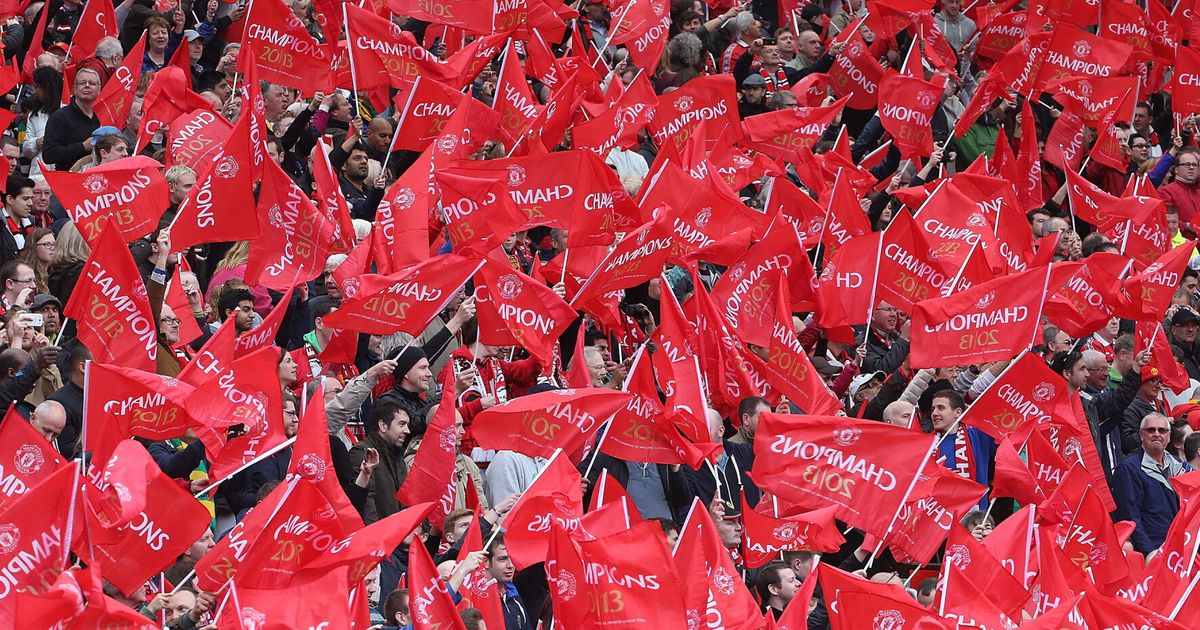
69,129
1143,487
389,429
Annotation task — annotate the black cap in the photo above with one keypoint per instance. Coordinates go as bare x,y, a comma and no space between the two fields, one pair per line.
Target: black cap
1184,316
406,357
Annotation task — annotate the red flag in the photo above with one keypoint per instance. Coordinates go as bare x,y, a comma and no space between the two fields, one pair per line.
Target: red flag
781,134
710,99
712,585
636,258
424,111
430,605
401,237
264,334
514,308
325,604
471,230
211,211
1094,99
298,240
1012,477
973,560
112,308
169,96
847,283
765,537
1185,83
330,201
906,109
158,519
1088,300
637,588
196,139
537,424
116,99
988,322
854,602
130,191
249,394
1150,292
32,458
124,402
856,73
433,476
936,504
644,29
277,41
1000,35
555,496
480,589
1075,52
360,550
1163,363
866,494
312,462
1090,541
406,300
514,100
1025,395
911,264
34,533
620,125
97,21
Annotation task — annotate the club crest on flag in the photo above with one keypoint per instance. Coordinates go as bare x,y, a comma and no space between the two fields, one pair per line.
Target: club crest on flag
10,535
977,220
846,436
786,532
311,467
516,175
275,217
447,439
253,619
95,184
509,286
29,459
986,300
723,581
888,620
1043,392
737,271
926,98
1082,48
683,104
703,217
959,556
226,168
566,585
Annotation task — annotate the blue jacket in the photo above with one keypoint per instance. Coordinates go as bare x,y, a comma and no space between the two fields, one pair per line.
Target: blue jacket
1146,497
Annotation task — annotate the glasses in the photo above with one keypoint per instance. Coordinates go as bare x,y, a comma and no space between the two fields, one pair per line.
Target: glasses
29,281
171,321
1162,430
46,244
1189,164
1140,145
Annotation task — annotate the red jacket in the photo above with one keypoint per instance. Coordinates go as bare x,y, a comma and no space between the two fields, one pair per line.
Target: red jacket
1183,197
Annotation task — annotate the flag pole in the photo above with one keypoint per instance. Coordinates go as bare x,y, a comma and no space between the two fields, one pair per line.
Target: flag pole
61,327
497,528
275,449
350,54
937,442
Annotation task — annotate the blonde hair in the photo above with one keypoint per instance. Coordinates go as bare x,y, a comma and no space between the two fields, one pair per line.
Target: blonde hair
239,254
70,246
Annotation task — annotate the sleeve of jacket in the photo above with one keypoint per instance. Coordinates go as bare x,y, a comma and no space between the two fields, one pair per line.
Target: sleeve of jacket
19,385
1129,495
679,493
886,360
741,67
177,464
1110,404
1131,426
342,408
892,388
55,148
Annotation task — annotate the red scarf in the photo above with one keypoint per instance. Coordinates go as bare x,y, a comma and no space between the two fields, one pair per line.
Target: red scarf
778,81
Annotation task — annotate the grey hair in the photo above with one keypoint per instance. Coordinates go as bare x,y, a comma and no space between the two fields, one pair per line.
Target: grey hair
1093,358
685,51
109,47
1154,415
741,22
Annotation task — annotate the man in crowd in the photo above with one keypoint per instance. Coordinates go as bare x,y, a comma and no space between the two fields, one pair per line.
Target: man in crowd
1143,484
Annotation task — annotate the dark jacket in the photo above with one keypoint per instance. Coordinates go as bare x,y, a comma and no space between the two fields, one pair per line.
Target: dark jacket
735,480
66,130
70,396
1189,355
1145,496
241,490
174,462
1131,424
676,489
385,481
884,355
61,278
1104,412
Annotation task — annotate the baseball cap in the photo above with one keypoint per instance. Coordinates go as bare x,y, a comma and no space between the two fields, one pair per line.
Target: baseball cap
1184,316
862,379
823,366
43,299
191,35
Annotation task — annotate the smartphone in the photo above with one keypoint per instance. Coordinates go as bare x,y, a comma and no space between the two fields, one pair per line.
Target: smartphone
768,41
33,320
